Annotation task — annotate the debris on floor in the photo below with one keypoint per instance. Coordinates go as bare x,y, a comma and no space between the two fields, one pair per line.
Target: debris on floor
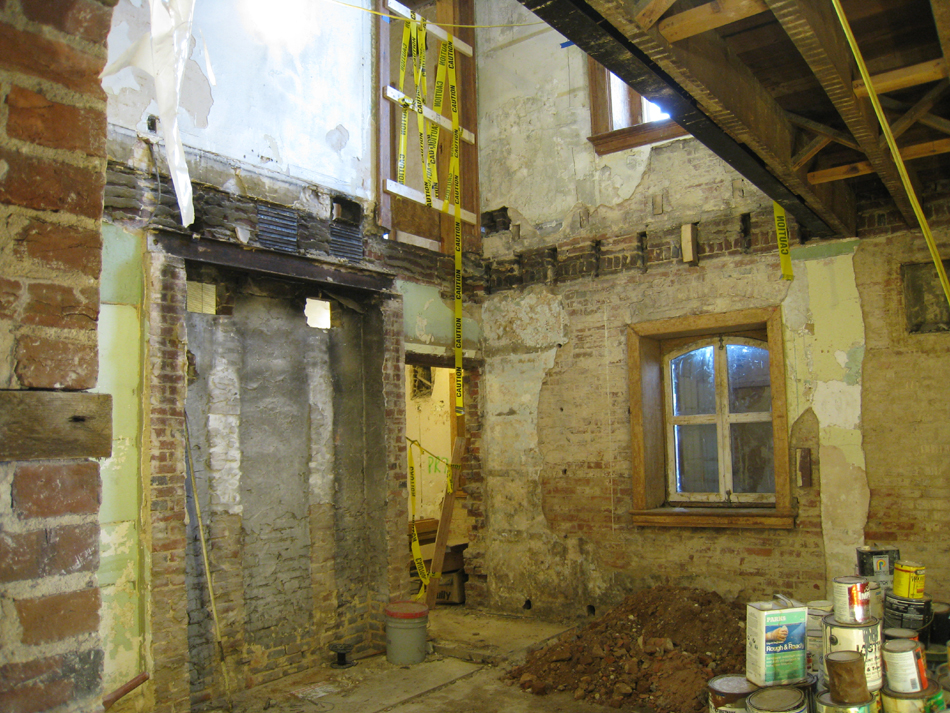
655,651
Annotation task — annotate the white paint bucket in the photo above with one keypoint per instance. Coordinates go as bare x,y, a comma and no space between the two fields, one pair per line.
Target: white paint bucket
406,624
864,638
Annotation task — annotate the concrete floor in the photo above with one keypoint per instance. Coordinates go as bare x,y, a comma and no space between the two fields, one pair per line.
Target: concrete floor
470,653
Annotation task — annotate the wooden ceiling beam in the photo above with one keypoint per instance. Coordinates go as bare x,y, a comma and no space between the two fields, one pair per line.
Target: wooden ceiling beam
918,110
648,12
708,17
817,34
810,150
730,95
818,128
862,168
932,71
931,120
941,13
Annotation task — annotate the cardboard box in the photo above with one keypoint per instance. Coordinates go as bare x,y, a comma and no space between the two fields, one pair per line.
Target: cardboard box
451,587
775,651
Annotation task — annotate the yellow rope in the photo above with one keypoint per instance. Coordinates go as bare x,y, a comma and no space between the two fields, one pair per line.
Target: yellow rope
895,152
440,24
413,442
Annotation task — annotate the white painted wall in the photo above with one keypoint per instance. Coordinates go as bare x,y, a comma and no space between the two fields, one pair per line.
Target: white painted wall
293,92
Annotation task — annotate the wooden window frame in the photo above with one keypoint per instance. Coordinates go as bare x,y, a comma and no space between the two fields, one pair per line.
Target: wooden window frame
645,348
603,136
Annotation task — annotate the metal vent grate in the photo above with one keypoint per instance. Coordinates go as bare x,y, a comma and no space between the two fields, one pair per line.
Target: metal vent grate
346,241
277,228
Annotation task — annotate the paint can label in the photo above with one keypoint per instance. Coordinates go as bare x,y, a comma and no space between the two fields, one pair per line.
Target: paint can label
906,613
864,638
904,665
852,599
909,579
775,644
877,563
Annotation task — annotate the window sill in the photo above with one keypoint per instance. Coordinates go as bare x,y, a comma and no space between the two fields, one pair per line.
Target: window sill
633,136
745,518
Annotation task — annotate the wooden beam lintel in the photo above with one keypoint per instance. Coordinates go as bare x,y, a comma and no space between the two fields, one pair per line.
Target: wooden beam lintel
708,17
861,168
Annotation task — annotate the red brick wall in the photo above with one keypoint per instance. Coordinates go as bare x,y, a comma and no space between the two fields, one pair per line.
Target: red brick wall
52,173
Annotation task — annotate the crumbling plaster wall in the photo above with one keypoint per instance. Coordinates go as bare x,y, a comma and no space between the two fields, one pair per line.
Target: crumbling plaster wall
287,98
556,412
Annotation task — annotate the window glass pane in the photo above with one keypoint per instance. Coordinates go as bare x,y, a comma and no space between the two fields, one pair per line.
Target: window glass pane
694,385
752,461
749,390
619,103
652,112
697,462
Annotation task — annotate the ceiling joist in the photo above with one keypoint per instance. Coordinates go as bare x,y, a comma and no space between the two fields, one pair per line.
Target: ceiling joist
904,77
708,17
815,127
919,109
931,120
862,168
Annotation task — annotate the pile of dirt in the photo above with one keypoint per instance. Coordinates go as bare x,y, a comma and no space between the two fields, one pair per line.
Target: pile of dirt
657,650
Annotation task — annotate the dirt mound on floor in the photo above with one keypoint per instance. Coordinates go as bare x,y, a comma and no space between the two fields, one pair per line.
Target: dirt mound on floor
655,651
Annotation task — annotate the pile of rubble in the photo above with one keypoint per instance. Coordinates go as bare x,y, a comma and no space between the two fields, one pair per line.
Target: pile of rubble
656,650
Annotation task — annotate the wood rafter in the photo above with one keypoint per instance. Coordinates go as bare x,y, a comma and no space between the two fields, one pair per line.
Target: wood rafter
730,94
919,109
941,13
648,12
814,29
810,151
708,17
912,76
862,168
818,128
931,120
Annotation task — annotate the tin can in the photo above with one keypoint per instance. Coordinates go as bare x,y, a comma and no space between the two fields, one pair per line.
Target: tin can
878,563
852,599
864,638
906,613
810,688
825,704
728,692
904,666
927,701
894,633
777,699
909,579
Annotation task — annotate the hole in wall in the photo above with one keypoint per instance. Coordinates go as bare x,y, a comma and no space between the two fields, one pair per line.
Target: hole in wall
318,313
527,604
591,610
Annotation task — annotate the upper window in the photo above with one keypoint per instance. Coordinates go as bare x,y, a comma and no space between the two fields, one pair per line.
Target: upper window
719,423
620,118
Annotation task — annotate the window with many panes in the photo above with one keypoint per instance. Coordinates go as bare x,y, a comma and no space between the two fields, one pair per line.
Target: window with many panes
719,423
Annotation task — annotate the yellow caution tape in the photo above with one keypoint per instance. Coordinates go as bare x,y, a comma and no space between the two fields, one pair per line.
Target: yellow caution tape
781,231
404,120
414,542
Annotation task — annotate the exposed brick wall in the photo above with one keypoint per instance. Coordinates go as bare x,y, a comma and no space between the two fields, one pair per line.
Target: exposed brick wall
52,172
905,410
165,493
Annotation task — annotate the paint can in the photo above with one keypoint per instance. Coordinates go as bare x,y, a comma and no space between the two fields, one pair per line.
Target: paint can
824,703
876,600
865,638
940,629
926,701
728,693
905,666
909,579
942,676
777,699
406,624
894,633
907,613
847,681
810,688
851,597
775,643
878,563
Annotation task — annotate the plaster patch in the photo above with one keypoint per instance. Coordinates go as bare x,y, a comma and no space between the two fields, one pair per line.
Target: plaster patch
338,137
274,149
837,403
196,96
522,321
845,497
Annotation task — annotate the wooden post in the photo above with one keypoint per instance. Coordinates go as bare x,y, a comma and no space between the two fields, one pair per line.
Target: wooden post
445,522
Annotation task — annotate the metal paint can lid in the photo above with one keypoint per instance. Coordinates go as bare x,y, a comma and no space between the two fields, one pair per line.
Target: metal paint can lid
729,688
781,699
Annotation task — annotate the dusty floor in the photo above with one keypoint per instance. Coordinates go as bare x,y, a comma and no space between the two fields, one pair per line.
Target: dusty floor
465,674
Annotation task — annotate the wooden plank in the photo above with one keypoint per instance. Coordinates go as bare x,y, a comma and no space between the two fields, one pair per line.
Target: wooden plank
708,17
400,99
746,518
931,120
914,114
941,13
639,135
817,128
781,464
43,425
403,11
904,77
646,400
692,325
648,12
445,523
861,168
386,128
598,85
816,32
810,150
419,197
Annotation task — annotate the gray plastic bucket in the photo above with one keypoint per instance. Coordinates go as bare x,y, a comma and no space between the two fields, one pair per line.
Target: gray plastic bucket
406,632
